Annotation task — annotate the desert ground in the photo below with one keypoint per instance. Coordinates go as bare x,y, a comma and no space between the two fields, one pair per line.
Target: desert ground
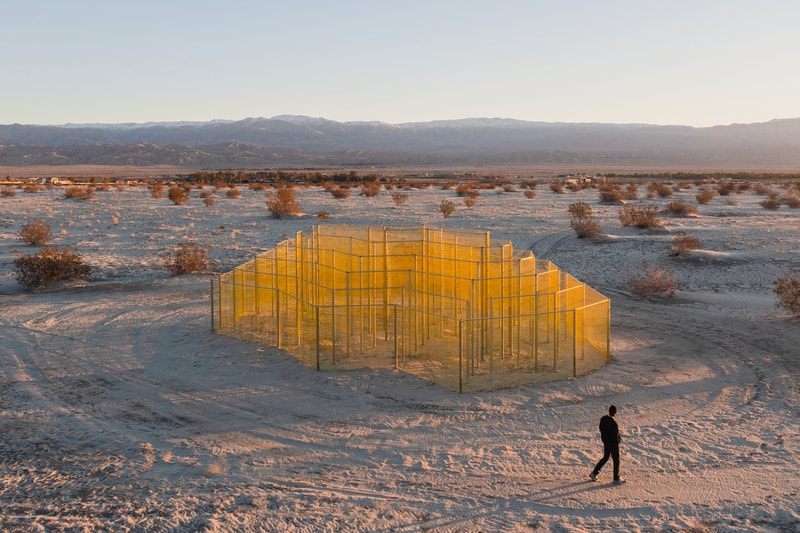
121,410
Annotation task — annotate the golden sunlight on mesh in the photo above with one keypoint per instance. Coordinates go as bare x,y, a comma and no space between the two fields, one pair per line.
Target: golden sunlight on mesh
449,306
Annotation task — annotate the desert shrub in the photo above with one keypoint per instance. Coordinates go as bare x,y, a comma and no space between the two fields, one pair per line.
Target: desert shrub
49,265
761,189
585,228
283,202
631,191
323,215
208,202
678,207
792,201
79,193
557,187
574,186
178,195
399,197
8,191
157,190
610,192
641,215
663,190
653,282
682,243
705,195
187,258
340,192
447,207
371,188
580,210
772,201
508,187
33,187
35,233
726,188
530,193
470,201
233,192
787,289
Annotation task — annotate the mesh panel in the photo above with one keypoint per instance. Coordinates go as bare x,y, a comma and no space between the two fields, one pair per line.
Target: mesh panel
449,306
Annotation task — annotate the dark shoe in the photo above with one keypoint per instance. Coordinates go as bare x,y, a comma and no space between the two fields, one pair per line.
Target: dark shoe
593,476
619,481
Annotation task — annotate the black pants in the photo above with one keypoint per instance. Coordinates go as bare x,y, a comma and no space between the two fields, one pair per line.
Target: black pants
609,451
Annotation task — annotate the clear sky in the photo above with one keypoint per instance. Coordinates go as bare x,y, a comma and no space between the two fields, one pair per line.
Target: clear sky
690,62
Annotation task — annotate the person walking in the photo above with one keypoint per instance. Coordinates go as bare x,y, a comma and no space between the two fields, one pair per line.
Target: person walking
609,433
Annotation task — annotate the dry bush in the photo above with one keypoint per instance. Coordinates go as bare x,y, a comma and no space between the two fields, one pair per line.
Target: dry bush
323,215
79,193
233,192
178,195
678,207
447,207
49,265
530,193
641,215
371,188
283,203
157,190
761,189
585,228
791,200
726,188
8,191
187,258
682,243
631,191
653,282
399,197
340,192
787,289
610,192
557,187
772,201
663,190
33,187
580,210
508,187
470,201
208,202
35,233
705,195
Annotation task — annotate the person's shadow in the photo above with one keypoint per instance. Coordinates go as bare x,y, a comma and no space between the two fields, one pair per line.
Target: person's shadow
569,489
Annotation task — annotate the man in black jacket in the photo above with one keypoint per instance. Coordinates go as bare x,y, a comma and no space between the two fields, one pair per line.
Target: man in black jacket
609,433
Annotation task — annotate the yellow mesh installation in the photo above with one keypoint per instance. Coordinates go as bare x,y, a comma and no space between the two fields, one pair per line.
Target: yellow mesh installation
449,306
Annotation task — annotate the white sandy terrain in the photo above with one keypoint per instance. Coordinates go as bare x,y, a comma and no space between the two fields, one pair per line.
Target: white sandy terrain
121,411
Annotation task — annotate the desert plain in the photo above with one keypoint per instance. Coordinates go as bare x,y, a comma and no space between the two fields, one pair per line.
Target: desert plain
121,410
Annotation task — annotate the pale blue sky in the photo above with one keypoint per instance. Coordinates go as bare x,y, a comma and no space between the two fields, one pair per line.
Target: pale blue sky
692,62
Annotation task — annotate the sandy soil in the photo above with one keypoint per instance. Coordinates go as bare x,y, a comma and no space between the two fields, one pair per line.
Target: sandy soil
122,411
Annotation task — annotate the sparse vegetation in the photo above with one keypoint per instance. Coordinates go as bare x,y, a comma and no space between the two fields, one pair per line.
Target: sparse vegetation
772,201
705,195
787,289
283,203
653,282
447,208
399,197
642,215
683,243
323,215
679,207
371,188
233,192
610,192
187,258
340,192
557,187
49,265
178,195
79,193
583,222
157,190
35,233
8,192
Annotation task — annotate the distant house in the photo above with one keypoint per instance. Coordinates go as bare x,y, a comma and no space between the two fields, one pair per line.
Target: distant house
53,181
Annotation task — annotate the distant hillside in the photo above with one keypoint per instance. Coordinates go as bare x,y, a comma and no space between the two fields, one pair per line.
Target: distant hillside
306,141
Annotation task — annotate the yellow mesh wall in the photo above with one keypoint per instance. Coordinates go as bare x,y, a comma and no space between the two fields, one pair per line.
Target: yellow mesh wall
450,306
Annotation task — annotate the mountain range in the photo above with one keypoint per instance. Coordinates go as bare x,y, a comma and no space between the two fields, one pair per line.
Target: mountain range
300,141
